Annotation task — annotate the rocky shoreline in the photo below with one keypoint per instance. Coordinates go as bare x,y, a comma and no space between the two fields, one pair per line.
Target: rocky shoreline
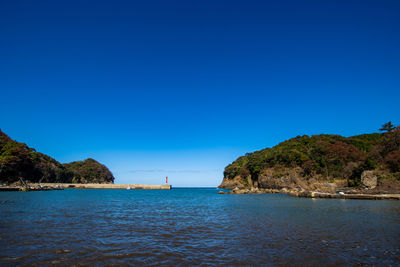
365,166
311,194
29,188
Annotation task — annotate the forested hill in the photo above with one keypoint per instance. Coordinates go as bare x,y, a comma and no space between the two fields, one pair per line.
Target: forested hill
89,171
313,162
20,162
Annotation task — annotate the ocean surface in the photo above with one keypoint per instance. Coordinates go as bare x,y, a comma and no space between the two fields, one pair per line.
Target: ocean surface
194,227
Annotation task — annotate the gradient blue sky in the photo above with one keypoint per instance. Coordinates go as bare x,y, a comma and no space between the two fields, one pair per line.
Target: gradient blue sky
182,88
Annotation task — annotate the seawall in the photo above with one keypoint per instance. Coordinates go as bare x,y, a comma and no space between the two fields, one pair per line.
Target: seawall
106,186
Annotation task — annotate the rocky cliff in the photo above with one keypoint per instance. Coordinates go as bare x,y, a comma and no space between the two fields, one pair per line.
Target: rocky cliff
20,162
322,162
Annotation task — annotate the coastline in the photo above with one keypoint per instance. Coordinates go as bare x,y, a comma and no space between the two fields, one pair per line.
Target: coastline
312,194
60,186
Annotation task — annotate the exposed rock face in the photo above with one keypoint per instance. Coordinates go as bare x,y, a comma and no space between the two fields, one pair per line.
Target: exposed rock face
271,178
284,179
369,179
237,181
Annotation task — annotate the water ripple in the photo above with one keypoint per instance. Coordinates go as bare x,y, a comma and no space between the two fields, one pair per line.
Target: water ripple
193,227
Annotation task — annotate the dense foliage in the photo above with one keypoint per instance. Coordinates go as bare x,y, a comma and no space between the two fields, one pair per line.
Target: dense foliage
89,171
328,156
20,162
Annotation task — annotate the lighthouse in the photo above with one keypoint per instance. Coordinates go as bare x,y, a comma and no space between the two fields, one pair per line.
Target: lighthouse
166,180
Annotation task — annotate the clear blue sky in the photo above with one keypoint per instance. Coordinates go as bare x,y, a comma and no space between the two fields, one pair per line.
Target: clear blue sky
182,88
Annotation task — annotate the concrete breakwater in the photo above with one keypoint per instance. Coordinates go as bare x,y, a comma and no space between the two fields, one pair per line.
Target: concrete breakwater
105,186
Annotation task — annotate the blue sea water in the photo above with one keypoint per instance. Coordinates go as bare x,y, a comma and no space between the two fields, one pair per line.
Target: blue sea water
194,227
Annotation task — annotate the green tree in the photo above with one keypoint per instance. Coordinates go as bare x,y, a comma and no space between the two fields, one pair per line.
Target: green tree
388,127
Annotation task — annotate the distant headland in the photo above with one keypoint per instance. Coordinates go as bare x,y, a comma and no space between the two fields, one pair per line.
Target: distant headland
366,164
22,164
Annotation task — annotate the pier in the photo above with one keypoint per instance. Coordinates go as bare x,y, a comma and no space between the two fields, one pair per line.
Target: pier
106,186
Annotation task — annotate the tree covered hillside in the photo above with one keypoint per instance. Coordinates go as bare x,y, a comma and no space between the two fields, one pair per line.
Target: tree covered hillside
319,158
20,162
89,171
